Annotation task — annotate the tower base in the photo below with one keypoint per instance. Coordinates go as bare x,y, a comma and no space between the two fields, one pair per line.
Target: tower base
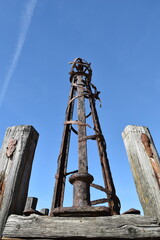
86,211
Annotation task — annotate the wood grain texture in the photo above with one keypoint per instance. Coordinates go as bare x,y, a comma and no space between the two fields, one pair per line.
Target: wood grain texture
114,227
145,166
15,170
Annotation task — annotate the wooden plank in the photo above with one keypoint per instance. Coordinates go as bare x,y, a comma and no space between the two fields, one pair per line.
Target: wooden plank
145,166
16,157
115,227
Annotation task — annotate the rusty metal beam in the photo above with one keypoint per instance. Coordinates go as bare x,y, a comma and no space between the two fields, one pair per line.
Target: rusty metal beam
108,180
98,201
60,178
82,147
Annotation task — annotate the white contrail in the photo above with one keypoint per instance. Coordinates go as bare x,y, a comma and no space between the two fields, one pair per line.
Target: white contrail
26,20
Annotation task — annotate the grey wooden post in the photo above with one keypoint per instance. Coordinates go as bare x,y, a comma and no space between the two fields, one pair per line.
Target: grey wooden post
145,166
16,157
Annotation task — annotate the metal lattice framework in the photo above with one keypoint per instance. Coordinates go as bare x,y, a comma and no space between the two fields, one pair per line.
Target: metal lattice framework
82,89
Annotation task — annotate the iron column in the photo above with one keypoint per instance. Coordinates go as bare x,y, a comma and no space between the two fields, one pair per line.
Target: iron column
81,181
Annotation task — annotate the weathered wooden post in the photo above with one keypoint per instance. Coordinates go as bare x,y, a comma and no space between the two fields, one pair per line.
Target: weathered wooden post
16,157
145,165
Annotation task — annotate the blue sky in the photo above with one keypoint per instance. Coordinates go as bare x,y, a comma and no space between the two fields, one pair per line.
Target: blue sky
121,40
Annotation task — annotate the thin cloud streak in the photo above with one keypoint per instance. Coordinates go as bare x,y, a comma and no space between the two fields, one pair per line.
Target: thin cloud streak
26,20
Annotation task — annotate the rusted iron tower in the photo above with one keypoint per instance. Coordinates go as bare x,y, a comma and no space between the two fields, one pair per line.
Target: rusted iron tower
82,89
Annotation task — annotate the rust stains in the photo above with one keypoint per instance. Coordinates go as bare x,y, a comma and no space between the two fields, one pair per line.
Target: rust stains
148,147
2,186
11,147
147,144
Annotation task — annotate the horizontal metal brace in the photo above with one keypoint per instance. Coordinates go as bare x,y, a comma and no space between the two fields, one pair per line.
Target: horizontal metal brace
91,137
77,123
112,195
98,201
71,172
78,96
101,188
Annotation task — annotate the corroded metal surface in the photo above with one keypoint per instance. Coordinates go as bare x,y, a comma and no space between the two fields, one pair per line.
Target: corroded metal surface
81,90
86,211
30,207
60,177
132,211
81,193
82,147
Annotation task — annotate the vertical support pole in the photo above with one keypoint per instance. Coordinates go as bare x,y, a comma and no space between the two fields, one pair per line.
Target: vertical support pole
145,166
16,157
60,180
114,203
82,145
81,181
